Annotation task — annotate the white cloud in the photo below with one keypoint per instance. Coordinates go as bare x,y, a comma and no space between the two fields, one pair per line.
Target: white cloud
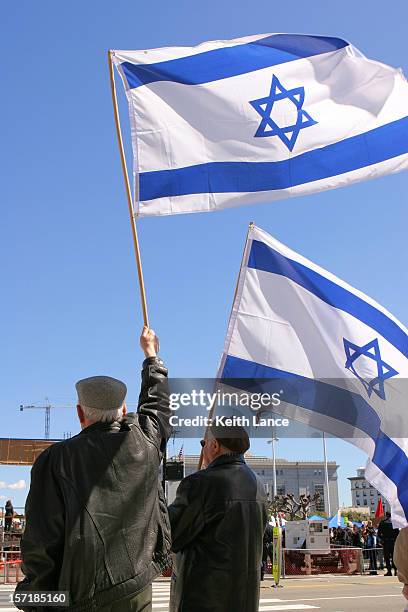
20,484
2,497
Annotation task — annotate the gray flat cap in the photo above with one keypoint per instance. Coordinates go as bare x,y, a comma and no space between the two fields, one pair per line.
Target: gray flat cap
101,392
233,437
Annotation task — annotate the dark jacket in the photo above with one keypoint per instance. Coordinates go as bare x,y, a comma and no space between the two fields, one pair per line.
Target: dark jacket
370,537
267,543
97,524
386,532
218,520
356,539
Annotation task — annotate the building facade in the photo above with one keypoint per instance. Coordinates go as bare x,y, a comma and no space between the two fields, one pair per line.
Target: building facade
295,477
364,495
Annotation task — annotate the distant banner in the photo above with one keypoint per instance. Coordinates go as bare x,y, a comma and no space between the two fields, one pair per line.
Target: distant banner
276,554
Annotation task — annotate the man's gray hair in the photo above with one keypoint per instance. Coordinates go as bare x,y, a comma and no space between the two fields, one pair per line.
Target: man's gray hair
103,416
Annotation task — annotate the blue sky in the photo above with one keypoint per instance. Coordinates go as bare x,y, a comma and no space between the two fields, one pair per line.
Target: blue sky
70,305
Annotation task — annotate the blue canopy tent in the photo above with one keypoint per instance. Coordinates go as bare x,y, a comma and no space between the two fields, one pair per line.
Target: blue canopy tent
316,517
335,522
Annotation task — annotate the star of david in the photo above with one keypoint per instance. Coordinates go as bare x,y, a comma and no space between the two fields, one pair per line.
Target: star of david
268,127
372,351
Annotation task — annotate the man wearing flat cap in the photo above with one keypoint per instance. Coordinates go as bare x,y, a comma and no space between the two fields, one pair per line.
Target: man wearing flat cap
218,520
97,524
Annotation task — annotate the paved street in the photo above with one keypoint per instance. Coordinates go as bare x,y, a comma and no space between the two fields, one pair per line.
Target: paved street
334,593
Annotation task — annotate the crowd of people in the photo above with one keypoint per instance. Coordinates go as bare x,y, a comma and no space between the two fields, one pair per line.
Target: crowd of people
378,542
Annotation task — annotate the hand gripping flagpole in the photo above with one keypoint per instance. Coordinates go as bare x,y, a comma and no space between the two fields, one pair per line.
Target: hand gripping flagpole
210,416
128,191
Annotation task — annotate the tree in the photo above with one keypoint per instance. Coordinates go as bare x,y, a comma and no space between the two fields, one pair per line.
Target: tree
356,516
293,509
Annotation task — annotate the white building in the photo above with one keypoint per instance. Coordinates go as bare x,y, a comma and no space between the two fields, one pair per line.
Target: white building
364,495
295,477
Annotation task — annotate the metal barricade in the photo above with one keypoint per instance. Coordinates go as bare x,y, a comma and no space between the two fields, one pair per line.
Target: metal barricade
10,567
373,560
11,529
303,562
17,521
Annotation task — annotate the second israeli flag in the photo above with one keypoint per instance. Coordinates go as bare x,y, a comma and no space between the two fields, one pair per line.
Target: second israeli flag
343,355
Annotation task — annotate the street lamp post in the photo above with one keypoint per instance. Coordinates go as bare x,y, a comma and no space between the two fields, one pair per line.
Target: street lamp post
275,486
326,476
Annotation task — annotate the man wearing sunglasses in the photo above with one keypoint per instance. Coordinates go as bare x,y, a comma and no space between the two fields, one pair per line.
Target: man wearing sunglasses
218,520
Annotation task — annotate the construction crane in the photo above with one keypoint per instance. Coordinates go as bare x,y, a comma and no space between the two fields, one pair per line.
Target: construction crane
47,409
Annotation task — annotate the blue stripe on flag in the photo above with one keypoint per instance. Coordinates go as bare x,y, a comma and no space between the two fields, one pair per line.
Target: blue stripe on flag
332,401
231,61
263,257
359,151
335,402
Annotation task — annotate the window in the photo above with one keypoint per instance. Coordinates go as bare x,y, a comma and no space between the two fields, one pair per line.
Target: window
280,490
365,502
358,502
357,494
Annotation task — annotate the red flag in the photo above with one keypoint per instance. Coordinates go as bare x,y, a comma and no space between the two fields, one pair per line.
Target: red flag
380,509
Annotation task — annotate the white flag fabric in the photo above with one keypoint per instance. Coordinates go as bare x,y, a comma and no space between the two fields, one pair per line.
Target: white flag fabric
257,119
345,357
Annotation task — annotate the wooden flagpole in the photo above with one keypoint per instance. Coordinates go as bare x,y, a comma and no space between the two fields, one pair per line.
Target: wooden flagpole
128,190
250,228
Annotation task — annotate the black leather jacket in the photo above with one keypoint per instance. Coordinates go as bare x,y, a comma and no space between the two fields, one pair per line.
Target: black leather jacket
386,532
97,523
218,520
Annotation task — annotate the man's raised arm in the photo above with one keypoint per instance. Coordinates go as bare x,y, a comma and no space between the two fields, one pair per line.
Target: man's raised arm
153,404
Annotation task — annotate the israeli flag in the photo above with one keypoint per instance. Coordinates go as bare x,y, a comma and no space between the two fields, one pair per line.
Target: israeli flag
342,355
258,119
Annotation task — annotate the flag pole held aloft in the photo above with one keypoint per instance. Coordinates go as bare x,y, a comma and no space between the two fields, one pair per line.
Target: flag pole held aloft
248,236
128,192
